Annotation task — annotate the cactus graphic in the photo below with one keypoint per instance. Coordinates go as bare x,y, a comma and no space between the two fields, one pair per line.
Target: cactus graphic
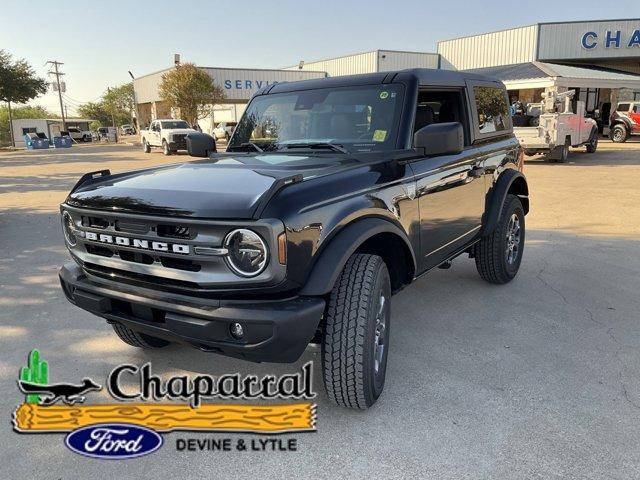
36,371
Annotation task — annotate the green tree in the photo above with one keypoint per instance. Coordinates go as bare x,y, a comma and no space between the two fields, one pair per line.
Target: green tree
115,105
191,90
118,101
18,82
95,111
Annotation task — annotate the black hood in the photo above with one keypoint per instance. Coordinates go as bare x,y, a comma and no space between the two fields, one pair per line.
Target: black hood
226,186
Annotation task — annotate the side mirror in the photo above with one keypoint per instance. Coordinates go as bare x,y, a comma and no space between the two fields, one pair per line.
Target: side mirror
200,144
439,139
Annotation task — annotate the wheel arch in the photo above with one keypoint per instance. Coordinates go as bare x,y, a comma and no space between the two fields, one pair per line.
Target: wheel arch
371,235
509,182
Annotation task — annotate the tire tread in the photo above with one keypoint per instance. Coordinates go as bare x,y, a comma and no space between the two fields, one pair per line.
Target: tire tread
488,252
345,330
136,339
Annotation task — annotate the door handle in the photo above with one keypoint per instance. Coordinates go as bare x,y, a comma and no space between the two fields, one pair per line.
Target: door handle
476,172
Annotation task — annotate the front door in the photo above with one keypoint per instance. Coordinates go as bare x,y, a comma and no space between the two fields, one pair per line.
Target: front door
451,200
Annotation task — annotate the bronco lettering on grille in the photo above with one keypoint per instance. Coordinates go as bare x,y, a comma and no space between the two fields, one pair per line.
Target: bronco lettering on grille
137,243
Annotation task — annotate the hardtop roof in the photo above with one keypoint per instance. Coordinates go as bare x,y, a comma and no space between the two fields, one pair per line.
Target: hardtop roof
424,76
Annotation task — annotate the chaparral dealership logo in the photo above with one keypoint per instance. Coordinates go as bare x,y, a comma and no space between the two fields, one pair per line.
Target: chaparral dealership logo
132,427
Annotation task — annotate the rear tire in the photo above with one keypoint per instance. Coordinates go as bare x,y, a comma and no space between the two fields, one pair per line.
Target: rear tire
619,134
355,342
499,254
592,146
561,153
137,339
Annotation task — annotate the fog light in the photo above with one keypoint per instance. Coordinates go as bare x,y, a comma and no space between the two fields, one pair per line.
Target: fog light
236,330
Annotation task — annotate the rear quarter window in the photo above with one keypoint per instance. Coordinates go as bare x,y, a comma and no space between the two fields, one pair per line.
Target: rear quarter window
492,110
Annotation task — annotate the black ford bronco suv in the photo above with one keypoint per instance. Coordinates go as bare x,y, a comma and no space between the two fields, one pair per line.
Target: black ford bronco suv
333,194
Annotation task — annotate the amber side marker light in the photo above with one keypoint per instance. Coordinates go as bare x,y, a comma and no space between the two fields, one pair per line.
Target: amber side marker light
282,248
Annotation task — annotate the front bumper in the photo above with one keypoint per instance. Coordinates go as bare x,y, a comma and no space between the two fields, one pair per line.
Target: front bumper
178,145
275,331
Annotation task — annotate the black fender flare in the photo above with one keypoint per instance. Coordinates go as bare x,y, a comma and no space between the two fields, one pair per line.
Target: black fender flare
624,121
594,133
497,195
341,246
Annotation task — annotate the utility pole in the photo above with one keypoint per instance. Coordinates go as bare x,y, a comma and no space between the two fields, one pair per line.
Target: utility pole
135,103
113,117
58,74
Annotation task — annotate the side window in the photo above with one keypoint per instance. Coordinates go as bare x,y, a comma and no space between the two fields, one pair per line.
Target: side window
440,107
623,107
636,109
492,109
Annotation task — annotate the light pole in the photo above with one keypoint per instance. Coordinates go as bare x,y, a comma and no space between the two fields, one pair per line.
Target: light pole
135,102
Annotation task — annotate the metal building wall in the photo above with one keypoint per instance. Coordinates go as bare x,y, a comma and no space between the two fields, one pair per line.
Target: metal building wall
389,60
347,65
506,47
563,41
238,84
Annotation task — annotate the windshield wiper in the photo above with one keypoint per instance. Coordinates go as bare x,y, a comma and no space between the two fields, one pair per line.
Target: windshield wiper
336,147
245,145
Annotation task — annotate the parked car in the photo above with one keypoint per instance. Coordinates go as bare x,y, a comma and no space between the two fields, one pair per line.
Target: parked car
166,133
555,127
624,121
79,135
333,195
127,129
224,130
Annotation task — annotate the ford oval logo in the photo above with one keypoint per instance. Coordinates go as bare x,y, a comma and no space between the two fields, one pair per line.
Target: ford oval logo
113,441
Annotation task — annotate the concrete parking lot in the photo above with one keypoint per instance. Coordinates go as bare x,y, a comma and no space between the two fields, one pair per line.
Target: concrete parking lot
535,379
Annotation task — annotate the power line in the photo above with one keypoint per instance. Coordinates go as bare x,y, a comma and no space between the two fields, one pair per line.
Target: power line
73,99
58,74
73,102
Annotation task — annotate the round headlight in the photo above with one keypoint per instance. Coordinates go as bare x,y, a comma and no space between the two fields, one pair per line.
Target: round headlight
247,253
69,229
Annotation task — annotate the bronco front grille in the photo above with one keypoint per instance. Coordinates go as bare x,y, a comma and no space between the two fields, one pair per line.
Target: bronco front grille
177,253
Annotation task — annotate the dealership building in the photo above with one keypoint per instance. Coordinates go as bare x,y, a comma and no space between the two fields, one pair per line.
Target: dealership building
600,59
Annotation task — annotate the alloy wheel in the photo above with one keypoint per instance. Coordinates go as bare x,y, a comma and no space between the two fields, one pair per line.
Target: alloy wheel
379,341
513,239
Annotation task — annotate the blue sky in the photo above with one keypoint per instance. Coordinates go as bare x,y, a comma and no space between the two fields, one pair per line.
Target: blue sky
100,41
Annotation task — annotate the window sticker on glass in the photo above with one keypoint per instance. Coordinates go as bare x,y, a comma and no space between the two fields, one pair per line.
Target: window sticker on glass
384,95
379,135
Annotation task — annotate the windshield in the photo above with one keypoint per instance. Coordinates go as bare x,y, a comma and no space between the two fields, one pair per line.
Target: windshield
175,124
360,119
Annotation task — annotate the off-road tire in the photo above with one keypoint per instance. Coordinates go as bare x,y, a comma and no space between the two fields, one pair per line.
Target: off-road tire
146,148
619,133
165,148
348,351
137,339
592,146
490,252
561,153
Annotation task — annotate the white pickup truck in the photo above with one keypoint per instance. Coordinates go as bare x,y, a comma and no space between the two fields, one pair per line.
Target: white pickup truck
169,134
556,127
79,135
